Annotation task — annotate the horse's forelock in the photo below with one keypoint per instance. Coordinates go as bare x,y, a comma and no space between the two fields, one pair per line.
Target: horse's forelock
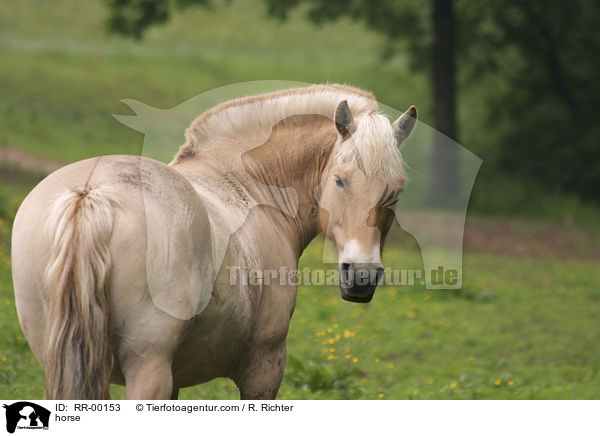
373,148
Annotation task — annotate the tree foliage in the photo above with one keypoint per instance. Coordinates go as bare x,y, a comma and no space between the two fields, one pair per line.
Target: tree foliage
133,17
547,56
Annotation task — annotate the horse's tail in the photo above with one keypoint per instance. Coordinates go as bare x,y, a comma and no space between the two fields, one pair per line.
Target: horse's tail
78,357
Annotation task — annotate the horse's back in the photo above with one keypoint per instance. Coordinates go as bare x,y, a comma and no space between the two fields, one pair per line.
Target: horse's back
156,261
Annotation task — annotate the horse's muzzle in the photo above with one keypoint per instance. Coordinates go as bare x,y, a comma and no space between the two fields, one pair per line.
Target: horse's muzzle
359,280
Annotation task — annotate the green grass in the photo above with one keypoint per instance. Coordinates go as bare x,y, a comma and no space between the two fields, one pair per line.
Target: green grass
519,329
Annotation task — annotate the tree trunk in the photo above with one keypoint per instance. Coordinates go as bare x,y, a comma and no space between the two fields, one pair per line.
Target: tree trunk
444,186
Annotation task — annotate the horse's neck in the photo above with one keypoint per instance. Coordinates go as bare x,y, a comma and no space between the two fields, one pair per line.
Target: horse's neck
281,172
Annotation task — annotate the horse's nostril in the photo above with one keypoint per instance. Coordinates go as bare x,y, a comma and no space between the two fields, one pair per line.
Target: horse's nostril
346,275
379,274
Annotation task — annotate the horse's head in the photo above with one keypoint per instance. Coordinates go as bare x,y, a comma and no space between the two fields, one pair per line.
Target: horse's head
357,194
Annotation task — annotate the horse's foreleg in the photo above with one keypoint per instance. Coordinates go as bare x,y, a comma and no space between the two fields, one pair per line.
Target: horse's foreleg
260,373
151,379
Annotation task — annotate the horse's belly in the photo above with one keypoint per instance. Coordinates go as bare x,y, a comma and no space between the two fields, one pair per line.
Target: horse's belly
213,345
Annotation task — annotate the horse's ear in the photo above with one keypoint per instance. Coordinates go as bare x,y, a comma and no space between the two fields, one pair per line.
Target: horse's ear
344,122
405,124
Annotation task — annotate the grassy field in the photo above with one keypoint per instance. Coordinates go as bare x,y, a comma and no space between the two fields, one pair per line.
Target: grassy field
521,327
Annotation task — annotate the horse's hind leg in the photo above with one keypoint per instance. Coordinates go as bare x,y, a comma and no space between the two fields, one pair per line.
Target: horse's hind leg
146,348
145,338
146,344
146,357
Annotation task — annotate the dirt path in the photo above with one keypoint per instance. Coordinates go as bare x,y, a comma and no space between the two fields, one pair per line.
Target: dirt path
520,238
14,157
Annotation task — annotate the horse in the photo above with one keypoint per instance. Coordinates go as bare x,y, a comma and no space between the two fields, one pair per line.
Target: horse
122,264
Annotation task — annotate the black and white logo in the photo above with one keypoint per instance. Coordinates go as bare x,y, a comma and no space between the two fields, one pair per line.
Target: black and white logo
26,415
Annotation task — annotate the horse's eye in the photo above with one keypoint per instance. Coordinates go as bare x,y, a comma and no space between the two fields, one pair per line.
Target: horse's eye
338,182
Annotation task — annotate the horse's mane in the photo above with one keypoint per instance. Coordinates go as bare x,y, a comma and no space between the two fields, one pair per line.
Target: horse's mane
374,144
238,117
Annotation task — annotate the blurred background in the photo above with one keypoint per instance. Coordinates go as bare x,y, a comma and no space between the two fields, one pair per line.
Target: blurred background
513,81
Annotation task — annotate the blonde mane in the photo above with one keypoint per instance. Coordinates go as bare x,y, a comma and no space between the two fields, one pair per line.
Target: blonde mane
373,144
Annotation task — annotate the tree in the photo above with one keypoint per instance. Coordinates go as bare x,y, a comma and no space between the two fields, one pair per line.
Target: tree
445,156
